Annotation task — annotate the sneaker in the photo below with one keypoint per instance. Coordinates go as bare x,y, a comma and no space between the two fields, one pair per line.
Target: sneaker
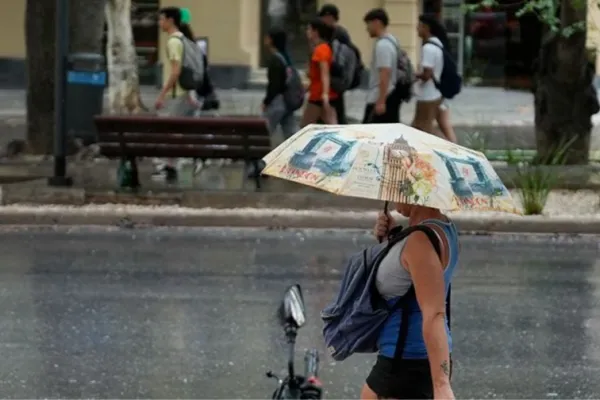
165,172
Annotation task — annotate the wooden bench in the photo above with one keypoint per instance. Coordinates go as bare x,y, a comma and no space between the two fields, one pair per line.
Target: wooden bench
130,137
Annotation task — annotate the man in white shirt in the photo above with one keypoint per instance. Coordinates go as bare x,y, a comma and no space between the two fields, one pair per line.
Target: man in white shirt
428,95
382,107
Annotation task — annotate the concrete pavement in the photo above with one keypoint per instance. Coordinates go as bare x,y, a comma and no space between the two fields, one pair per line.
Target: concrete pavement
190,313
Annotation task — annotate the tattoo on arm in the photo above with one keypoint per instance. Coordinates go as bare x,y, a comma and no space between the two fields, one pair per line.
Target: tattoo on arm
445,366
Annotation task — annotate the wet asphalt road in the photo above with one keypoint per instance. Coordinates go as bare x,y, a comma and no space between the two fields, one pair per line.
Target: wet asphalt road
172,313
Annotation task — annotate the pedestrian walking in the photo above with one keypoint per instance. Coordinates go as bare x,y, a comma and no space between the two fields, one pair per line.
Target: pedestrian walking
173,99
285,91
347,58
414,348
276,111
438,80
443,113
382,105
321,98
429,97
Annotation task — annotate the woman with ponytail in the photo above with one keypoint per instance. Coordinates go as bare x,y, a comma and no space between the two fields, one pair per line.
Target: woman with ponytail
205,96
430,103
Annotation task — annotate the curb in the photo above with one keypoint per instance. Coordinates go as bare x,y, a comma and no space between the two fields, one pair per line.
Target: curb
132,217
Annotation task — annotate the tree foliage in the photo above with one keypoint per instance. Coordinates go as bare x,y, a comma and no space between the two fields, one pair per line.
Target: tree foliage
565,97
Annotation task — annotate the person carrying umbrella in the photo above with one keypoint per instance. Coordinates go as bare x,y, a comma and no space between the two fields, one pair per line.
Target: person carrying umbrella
422,369
423,176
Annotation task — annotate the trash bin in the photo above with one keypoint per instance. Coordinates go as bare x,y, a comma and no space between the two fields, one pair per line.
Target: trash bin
86,80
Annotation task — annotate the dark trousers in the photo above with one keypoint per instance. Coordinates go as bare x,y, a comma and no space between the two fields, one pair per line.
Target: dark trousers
390,116
340,109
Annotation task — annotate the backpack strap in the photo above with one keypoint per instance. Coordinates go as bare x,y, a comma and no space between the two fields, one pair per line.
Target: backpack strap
447,56
404,302
282,59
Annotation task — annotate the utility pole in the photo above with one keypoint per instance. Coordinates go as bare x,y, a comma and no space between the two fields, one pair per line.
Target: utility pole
60,177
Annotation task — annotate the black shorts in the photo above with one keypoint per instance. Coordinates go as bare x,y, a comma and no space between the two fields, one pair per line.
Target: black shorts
332,102
401,379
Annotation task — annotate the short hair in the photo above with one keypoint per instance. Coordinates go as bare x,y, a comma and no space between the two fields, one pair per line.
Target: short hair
330,10
377,14
173,13
324,31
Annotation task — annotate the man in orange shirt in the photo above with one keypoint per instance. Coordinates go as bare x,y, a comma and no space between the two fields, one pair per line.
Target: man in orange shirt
321,99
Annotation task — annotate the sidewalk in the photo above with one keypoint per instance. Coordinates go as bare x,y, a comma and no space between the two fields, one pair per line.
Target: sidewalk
474,106
503,117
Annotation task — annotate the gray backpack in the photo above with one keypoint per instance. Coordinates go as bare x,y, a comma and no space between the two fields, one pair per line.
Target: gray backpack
293,96
406,73
353,321
343,68
192,65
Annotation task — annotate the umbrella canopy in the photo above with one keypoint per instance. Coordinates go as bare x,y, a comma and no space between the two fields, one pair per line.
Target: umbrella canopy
390,162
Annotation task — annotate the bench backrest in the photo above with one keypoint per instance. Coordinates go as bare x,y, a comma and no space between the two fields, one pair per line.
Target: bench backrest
252,126
209,137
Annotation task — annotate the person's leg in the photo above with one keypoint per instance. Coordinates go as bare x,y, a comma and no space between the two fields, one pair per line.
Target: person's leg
274,114
368,113
328,114
289,125
340,110
367,393
311,114
443,120
392,109
425,113
182,106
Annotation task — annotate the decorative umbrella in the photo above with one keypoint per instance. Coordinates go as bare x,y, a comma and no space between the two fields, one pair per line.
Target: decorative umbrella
390,162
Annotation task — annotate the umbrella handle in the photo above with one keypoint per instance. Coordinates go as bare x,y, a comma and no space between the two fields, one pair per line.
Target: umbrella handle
386,212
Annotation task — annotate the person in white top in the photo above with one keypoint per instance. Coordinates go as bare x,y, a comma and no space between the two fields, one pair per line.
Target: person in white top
443,113
429,98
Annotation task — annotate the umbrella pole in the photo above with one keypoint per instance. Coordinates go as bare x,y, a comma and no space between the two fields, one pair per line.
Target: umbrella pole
386,212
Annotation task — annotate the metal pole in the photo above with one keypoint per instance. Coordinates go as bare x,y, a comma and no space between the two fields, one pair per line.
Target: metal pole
60,111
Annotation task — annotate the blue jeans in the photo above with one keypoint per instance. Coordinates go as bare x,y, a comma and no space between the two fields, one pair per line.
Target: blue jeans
277,114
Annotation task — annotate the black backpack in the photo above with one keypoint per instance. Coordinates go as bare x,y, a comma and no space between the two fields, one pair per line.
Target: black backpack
450,81
207,90
358,70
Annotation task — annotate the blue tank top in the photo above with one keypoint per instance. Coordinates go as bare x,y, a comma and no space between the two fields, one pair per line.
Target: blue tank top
414,347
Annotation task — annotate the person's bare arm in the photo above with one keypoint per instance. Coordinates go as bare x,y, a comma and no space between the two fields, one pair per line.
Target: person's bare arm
427,274
324,68
384,81
426,74
173,77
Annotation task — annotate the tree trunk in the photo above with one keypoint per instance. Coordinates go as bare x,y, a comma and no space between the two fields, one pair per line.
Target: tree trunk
40,18
87,24
565,97
124,86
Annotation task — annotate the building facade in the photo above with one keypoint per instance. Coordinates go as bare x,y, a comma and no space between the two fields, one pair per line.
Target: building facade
492,46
